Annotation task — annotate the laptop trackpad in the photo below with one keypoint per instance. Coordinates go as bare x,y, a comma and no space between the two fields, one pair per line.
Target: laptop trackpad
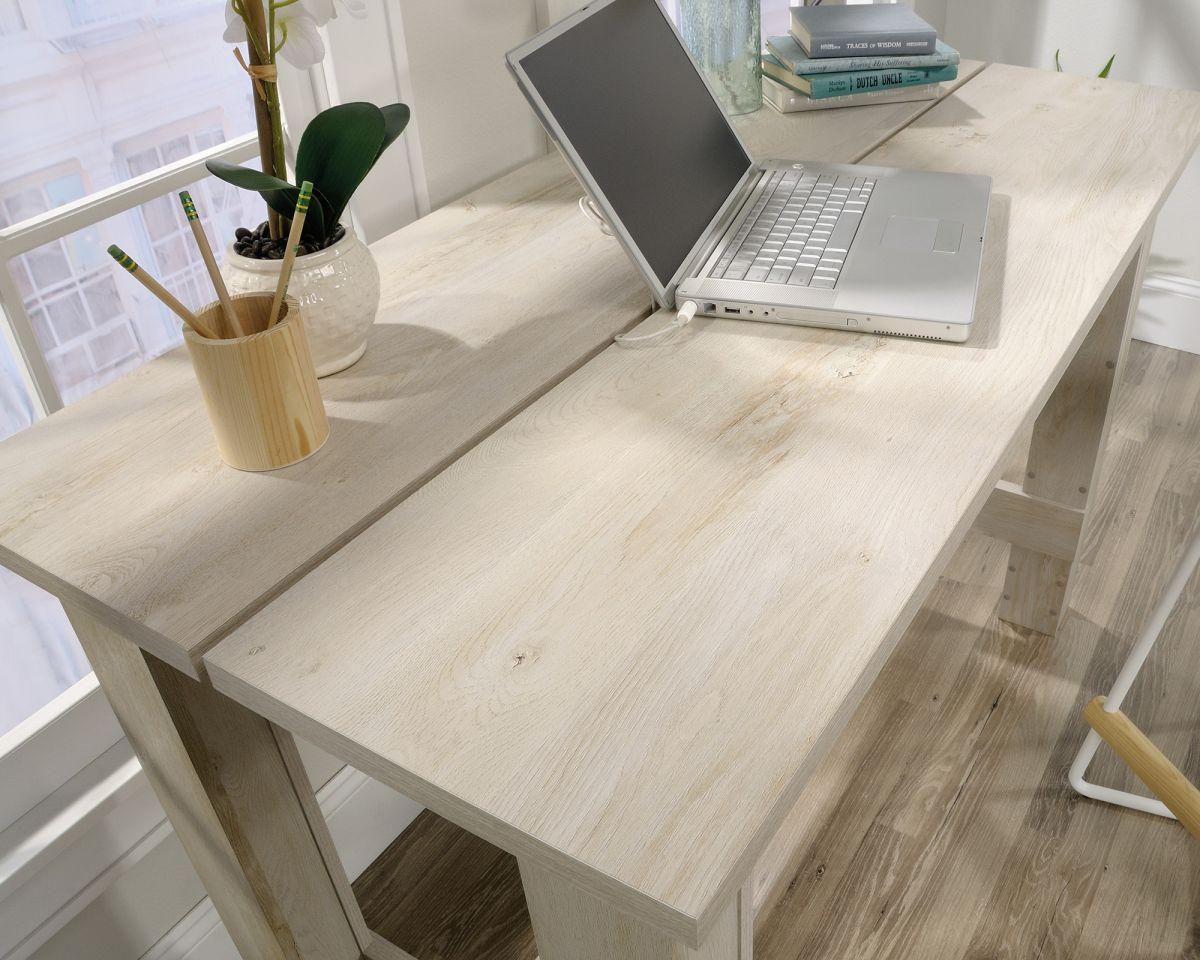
922,233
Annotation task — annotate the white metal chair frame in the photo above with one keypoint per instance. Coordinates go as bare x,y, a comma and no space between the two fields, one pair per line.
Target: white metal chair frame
1129,671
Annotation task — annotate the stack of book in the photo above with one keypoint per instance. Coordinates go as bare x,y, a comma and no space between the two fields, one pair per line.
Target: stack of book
847,55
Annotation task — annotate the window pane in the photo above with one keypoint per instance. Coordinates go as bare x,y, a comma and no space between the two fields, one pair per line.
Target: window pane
16,407
120,88
41,655
92,322
123,87
11,20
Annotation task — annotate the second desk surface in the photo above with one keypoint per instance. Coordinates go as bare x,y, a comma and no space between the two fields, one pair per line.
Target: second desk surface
616,636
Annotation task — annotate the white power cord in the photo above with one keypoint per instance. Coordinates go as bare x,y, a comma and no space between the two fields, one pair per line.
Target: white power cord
589,210
682,318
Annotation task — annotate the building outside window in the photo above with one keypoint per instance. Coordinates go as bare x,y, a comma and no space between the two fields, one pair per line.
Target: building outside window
94,94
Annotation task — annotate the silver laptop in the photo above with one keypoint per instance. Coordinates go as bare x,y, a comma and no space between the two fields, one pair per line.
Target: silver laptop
823,244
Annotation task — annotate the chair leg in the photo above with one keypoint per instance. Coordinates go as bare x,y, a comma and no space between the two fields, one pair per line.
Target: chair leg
1129,671
1151,765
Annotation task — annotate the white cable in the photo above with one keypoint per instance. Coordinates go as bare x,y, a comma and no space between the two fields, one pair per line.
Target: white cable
682,319
589,210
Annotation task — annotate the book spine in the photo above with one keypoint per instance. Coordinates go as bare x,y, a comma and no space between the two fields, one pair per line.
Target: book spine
785,77
858,44
788,101
826,85
852,64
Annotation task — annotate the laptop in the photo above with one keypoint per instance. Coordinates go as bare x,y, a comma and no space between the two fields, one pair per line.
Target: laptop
868,248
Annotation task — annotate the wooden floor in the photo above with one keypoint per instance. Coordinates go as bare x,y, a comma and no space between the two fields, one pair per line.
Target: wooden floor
941,826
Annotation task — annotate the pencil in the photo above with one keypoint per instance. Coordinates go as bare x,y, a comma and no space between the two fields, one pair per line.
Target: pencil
231,317
160,292
293,245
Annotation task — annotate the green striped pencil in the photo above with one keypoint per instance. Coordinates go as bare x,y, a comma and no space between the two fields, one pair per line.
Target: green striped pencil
293,245
227,308
156,288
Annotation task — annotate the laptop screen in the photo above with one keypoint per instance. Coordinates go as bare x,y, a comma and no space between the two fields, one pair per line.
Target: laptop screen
635,110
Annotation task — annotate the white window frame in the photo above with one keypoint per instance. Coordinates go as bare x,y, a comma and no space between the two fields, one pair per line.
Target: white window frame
78,215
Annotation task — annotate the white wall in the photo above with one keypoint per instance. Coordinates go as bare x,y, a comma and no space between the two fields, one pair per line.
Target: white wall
445,58
474,124
1155,42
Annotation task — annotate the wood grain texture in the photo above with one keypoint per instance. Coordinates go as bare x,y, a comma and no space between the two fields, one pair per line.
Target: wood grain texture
217,770
260,390
1035,523
942,825
246,768
875,843
1064,452
1149,763
120,505
618,636
334,869
570,924
381,949
483,304
440,893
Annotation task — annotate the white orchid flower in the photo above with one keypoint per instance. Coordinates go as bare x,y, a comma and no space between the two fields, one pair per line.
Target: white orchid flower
297,27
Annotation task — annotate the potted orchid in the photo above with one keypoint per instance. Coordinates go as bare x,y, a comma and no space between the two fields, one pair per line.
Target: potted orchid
335,278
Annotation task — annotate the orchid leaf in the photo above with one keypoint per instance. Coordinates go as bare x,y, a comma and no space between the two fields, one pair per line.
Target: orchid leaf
279,195
336,152
338,149
395,118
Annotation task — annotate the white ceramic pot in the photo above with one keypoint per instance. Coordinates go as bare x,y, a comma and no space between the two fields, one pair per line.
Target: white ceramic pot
338,291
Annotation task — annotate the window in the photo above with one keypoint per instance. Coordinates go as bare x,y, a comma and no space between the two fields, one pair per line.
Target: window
16,406
11,19
91,324
112,104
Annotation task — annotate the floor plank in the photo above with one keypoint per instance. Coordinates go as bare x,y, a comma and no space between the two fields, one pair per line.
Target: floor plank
941,826
442,894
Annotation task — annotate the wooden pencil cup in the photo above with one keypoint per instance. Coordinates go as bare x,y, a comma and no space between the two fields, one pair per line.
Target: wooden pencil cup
261,389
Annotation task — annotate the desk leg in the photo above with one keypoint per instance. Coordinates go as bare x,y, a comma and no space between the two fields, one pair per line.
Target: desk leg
1066,449
569,924
233,788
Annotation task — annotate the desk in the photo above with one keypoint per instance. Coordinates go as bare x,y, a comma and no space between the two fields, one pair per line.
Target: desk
120,506
616,637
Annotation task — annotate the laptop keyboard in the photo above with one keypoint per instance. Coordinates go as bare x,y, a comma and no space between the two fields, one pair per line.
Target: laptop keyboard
798,231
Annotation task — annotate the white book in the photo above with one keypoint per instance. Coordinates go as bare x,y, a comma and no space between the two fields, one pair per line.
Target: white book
789,101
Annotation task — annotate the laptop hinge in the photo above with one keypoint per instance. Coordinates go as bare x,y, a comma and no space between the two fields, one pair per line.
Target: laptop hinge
719,230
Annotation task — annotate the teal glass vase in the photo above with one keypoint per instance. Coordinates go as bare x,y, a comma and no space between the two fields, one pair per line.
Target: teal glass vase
724,37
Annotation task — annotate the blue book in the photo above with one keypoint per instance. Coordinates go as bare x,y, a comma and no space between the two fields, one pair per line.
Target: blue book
789,53
842,30
820,86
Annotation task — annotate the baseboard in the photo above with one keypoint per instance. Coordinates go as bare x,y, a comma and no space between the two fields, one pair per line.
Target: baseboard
364,817
1169,312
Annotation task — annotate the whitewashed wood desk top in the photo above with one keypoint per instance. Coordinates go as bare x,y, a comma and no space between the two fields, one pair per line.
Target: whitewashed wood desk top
615,636
121,505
